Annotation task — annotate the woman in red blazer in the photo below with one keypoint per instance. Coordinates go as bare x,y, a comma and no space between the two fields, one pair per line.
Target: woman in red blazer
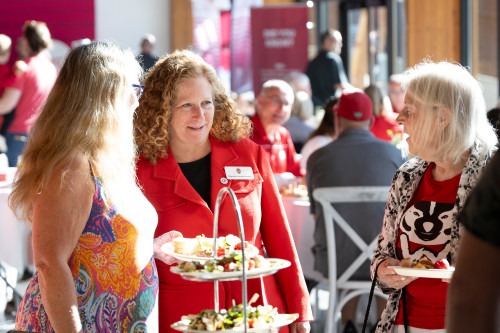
191,137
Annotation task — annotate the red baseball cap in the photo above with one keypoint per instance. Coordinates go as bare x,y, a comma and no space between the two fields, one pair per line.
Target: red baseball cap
354,105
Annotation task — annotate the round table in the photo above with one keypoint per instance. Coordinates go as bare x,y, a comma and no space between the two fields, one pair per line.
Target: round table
302,227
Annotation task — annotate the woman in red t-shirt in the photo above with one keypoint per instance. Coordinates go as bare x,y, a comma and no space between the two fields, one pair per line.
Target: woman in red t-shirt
384,126
30,90
451,139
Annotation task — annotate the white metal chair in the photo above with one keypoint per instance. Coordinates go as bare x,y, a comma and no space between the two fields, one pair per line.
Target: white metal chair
343,289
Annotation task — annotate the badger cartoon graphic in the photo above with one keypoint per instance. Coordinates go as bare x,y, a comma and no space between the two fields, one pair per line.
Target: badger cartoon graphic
425,230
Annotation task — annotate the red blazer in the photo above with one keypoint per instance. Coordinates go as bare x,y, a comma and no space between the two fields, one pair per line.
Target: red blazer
181,208
281,152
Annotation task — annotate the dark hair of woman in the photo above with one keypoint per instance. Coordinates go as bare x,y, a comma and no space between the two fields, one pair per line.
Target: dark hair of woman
327,125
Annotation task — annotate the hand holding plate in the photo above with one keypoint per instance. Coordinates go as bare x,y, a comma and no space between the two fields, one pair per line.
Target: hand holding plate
160,241
300,327
389,276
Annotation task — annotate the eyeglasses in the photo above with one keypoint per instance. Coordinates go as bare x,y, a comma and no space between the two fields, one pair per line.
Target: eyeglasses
139,88
276,100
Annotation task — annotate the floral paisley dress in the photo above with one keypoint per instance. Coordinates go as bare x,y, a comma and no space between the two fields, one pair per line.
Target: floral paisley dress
114,293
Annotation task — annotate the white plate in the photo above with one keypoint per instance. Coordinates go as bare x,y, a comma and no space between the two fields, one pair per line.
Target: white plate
425,273
250,252
276,264
282,320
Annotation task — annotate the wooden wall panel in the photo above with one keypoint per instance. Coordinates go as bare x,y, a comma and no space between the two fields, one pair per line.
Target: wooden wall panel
433,30
486,50
358,63
181,24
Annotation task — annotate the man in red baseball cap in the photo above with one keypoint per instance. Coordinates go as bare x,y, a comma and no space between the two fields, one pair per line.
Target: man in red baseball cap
355,158
355,105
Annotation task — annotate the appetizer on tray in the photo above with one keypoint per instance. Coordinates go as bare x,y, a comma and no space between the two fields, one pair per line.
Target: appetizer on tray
260,318
229,267
201,248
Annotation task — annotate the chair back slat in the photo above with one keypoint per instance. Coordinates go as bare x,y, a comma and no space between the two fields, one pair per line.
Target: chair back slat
327,196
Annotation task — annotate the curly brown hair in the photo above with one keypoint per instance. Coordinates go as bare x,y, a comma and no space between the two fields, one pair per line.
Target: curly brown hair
153,116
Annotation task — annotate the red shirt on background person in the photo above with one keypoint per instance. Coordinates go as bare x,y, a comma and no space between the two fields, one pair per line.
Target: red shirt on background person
385,128
7,76
31,89
34,86
384,125
274,106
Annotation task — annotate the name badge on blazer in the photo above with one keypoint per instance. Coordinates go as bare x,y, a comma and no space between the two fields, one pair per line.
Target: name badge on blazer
235,172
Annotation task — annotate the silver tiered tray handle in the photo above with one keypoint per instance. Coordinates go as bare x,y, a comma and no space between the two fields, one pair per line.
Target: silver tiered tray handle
237,210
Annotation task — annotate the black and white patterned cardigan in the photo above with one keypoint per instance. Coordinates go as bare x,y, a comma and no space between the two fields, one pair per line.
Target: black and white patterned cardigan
404,184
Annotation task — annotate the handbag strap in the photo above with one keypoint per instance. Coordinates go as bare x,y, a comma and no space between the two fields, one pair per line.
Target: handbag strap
370,298
405,315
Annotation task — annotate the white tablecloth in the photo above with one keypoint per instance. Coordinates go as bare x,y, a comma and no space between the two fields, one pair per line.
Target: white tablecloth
302,226
13,236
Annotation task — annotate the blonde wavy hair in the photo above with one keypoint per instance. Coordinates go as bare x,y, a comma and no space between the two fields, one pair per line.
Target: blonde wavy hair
87,111
152,118
445,84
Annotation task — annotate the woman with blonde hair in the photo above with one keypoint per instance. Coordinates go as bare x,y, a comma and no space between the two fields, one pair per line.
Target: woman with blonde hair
92,227
192,142
445,117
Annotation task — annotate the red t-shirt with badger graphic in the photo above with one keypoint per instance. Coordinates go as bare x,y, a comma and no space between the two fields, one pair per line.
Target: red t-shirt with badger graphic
426,230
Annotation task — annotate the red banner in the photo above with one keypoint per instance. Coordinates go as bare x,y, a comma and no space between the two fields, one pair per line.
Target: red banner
279,42
241,45
67,20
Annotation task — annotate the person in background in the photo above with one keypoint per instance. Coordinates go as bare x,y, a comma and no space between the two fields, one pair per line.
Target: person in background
326,71
301,122
321,136
355,158
192,142
299,125
300,82
396,92
444,116
92,227
273,108
384,125
494,119
7,79
147,58
30,90
474,292
245,102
